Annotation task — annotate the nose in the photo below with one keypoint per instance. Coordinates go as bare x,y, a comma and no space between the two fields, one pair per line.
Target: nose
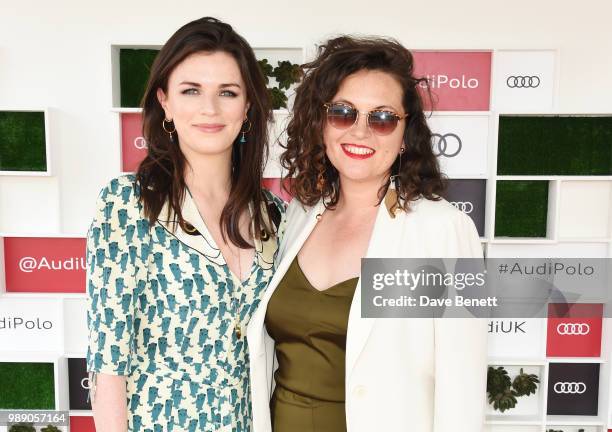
208,104
361,129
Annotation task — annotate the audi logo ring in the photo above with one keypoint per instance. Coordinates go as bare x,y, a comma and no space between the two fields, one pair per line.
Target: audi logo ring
523,81
573,329
448,144
570,387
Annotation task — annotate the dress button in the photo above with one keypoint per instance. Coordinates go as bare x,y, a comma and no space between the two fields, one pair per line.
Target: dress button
359,391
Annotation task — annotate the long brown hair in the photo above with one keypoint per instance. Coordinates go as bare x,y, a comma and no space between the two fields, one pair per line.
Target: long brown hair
304,156
161,173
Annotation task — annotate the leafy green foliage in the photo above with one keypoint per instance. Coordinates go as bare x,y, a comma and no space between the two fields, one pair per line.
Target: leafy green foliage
525,384
287,73
278,97
22,427
503,392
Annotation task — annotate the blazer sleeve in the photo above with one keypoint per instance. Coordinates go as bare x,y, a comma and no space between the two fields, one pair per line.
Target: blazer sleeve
460,351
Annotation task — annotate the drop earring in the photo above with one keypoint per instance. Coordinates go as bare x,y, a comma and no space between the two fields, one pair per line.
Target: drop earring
169,132
244,132
395,177
392,201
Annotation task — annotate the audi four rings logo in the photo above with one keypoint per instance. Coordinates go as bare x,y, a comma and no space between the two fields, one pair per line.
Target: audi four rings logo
570,387
448,145
464,206
573,329
523,81
140,143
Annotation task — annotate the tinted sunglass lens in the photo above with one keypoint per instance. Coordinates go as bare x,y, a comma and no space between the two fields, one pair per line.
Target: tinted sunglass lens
383,123
341,116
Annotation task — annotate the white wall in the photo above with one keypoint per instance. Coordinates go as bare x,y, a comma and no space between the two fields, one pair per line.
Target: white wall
57,54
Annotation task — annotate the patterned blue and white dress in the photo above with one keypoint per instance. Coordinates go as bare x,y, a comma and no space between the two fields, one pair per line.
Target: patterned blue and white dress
166,311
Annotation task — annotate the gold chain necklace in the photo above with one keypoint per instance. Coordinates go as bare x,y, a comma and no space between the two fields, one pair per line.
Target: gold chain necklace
237,326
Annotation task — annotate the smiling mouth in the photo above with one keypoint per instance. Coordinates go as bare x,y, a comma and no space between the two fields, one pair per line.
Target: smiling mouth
209,127
357,151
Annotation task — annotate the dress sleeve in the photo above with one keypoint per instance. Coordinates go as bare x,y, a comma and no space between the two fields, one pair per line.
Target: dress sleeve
117,242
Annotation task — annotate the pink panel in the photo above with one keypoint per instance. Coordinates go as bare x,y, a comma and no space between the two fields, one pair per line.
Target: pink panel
460,81
45,264
82,424
133,145
274,186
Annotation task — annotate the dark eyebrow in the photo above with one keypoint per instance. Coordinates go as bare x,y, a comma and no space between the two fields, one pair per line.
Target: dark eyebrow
189,83
194,84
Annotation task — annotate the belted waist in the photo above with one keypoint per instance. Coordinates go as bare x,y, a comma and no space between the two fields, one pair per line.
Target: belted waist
213,375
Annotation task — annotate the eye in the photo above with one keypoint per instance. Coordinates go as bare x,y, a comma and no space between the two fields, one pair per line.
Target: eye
228,93
190,91
383,115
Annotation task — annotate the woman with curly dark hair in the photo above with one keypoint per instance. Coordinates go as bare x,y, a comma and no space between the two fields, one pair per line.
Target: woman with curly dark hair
366,184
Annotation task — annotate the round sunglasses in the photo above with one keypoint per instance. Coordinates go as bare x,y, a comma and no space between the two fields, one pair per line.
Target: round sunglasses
343,116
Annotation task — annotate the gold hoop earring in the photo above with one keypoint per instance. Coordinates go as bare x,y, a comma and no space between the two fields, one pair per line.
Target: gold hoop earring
169,132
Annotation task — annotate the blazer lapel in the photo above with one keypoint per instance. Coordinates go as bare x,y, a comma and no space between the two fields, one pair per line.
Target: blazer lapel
385,242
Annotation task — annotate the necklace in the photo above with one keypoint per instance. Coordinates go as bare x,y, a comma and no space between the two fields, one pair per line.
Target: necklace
237,300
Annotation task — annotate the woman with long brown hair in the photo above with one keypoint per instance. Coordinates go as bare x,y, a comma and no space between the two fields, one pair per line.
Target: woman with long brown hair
365,183
180,254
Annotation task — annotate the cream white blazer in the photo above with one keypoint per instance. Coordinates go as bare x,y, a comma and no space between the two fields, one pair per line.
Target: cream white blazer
413,375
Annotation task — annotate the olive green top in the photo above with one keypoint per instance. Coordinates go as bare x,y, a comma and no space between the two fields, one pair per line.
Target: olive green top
309,327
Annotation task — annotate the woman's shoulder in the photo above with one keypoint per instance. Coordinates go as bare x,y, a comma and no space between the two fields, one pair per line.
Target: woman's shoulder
121,192
438,212
450,231
118,183
296,210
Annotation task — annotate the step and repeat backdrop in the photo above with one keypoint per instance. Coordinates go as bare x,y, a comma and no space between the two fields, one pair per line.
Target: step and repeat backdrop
536,182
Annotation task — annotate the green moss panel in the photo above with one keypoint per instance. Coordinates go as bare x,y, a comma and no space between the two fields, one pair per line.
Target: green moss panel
22,141
554,145
27,386
521,208
134,69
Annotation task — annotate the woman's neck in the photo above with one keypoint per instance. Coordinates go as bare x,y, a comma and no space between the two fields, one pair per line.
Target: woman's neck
358,196
209,176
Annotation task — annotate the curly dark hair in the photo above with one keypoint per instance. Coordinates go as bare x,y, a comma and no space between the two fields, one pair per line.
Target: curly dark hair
161,173
304,156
